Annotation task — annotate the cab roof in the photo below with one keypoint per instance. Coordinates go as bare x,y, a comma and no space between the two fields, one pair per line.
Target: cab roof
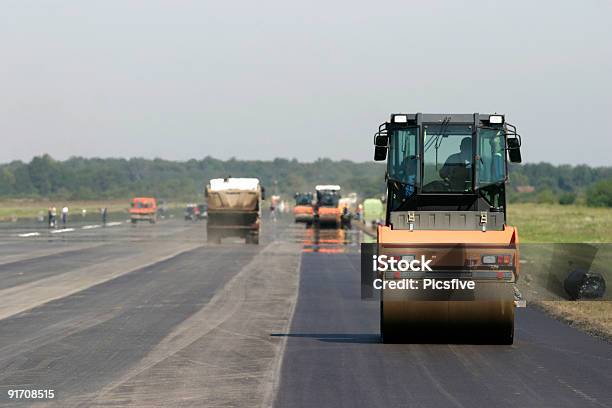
414,118
234,183
328,187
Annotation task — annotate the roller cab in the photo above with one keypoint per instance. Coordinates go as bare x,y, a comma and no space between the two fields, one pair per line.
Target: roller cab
446,201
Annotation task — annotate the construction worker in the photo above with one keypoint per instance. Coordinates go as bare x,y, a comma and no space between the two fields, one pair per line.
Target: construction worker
53,217
64,216
457,168
103,212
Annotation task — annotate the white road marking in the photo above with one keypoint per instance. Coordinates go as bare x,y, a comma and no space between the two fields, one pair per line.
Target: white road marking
30,234
62,230
110,224
90,226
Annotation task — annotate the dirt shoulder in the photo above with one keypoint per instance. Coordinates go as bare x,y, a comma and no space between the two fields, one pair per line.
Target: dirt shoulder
592,317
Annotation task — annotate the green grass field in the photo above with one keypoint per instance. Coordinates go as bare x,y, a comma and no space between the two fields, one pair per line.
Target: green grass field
15,210
547,223
542,224
29,209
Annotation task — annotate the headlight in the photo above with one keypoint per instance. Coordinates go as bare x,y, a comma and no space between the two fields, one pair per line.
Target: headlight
496,119
400,118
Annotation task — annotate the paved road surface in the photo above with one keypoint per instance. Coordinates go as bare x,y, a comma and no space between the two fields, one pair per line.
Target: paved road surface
153,316
145,316
333,357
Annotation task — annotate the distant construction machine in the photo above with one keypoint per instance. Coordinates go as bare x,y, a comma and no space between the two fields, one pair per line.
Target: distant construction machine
234,209
327,211
303,211
143,209
446,200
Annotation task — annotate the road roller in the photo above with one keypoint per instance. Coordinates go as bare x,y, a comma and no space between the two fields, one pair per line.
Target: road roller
303,211
446,201
327,212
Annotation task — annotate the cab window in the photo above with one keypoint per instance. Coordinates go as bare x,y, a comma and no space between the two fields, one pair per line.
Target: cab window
491,150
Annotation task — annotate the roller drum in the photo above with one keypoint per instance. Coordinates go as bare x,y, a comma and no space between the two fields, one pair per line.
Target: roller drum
486,319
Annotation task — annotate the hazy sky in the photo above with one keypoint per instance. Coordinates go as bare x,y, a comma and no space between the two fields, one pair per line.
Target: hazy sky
264,79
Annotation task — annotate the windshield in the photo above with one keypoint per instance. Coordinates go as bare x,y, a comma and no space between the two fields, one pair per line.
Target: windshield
447,158
303,199
491,149
328,199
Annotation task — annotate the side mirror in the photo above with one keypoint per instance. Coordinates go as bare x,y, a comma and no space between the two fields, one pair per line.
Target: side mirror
380,147
514,149
381,140
380,153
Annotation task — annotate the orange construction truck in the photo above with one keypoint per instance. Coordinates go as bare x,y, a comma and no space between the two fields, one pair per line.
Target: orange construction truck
143,209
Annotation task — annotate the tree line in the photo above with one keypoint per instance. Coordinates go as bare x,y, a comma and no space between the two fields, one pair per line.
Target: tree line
564,184
93,178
